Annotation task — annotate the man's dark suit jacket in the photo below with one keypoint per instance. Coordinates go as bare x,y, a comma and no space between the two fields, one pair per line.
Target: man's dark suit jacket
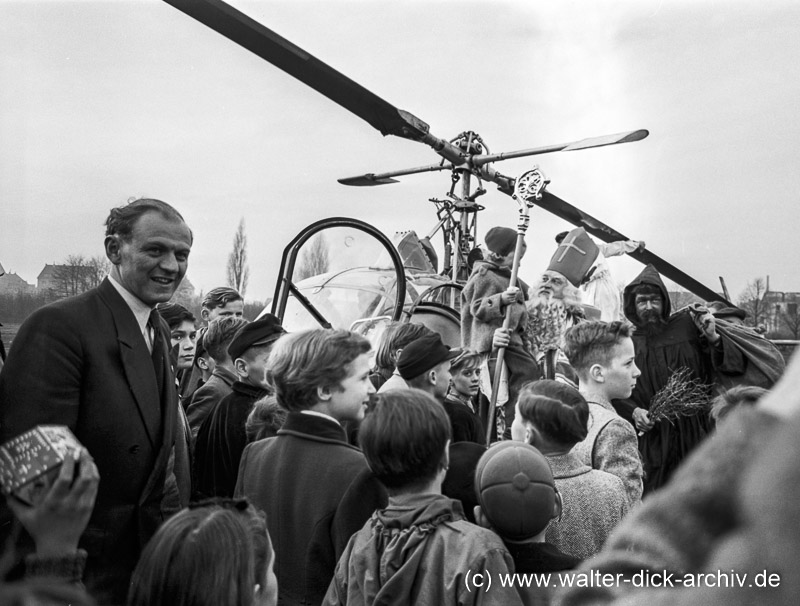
316,490
83,362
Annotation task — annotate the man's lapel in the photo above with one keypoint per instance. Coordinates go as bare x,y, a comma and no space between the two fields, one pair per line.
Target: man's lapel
136,361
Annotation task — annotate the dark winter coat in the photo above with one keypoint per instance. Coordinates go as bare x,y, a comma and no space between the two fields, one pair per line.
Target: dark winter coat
316,491
221,440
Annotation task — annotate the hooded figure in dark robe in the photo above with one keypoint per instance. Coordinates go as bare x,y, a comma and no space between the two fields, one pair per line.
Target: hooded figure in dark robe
665,343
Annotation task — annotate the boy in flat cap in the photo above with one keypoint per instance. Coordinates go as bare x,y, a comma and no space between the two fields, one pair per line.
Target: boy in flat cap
517,498
222,436
420,549
484,301
425,364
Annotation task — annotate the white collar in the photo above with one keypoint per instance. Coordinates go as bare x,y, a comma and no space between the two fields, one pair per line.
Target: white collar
140,310
316,413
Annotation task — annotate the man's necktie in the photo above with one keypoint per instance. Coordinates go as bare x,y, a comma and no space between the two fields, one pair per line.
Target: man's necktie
154,326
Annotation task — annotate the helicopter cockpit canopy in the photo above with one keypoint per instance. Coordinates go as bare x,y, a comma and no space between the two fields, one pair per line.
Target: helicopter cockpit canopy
344,273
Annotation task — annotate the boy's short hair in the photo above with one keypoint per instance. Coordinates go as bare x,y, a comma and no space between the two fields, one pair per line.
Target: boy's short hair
404,437
741,395
591,343
303,361
219,335
558,411
175,314
219,297
467,360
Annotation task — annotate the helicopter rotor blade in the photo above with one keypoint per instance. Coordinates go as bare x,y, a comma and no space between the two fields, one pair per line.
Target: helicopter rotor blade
382,178
262,41
627,137
600,230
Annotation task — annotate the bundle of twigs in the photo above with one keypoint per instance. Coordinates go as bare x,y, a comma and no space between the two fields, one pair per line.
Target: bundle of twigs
682,396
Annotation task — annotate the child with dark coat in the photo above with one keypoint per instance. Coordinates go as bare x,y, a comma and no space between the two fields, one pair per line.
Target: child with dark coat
222,436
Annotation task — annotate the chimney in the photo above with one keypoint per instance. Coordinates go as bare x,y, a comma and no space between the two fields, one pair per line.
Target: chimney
767,283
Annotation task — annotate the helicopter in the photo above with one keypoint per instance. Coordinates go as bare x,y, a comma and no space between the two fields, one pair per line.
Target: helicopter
470,164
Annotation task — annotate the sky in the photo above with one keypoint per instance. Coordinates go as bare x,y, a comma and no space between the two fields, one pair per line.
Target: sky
101,102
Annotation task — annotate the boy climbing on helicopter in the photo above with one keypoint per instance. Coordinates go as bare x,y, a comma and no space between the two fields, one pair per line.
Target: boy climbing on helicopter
484,301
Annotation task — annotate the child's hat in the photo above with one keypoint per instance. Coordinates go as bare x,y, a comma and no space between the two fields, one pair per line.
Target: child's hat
516,490
263,331
501,240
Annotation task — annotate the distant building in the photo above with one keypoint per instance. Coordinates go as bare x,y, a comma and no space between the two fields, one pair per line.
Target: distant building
780,310
48,278
11,284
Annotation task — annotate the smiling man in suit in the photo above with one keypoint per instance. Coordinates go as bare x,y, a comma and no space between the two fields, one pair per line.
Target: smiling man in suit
99,364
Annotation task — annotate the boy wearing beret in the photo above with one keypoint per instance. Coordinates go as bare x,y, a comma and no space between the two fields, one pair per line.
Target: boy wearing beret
517,498
486,297
222,436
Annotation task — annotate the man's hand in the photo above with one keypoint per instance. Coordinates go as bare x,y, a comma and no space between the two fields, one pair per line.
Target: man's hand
501,338
642,420
706,324
641,245
60,515
509,297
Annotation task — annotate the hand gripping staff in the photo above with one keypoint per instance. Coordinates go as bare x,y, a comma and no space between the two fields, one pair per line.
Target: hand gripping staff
528,190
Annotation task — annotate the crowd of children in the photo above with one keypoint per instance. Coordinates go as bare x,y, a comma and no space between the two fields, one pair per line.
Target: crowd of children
318,477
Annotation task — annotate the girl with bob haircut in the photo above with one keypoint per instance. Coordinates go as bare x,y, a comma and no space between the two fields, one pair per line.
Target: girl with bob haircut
301,363
556,410
553,418
214,553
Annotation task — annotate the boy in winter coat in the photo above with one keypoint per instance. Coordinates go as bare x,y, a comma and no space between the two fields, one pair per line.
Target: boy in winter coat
420,549
484,301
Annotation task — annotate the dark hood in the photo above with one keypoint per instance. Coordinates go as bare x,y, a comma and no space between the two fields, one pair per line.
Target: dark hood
651,276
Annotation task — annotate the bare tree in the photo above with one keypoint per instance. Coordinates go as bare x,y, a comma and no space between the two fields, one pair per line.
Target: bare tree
313,259
752,301
791,320
98,268
78,274
238,269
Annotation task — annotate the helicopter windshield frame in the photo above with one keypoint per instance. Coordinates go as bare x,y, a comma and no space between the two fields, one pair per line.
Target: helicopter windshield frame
287,286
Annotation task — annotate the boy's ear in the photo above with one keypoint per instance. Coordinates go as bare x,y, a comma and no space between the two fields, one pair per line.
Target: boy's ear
240,364
202,363
481,519
432,376
558,506
324,393
445,464
597,373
